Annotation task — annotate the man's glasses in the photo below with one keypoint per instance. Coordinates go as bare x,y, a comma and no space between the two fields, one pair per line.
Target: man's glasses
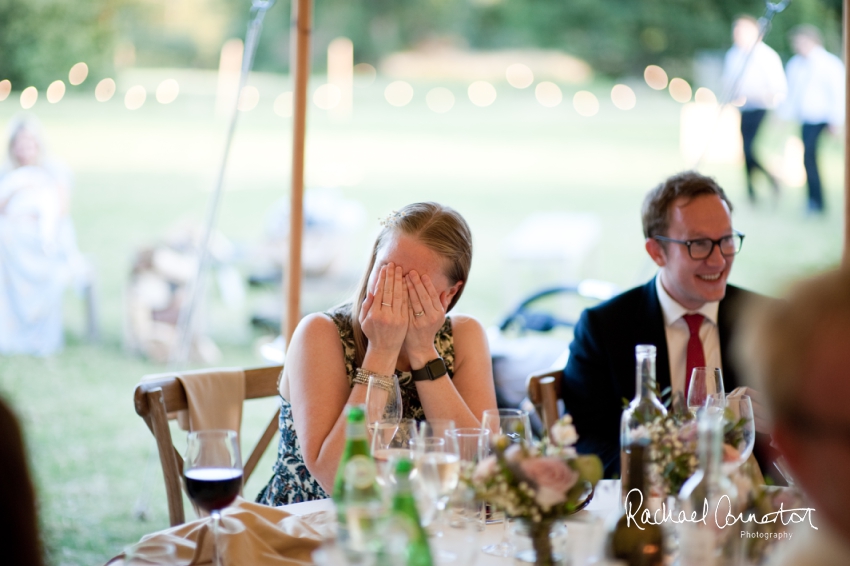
701,248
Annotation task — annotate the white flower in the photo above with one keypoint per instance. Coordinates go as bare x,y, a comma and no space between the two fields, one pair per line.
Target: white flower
563,433
514,453
485,469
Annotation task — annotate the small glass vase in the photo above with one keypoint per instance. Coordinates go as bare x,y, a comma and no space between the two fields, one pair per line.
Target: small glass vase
542,544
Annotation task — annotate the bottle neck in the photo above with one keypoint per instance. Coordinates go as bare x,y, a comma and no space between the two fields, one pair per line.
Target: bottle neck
645,376
355,430
711,446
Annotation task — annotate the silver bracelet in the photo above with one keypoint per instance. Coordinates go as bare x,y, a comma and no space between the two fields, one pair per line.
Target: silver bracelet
362,376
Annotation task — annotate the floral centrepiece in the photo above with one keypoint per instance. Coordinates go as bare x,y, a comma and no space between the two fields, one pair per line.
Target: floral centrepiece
539,483
672,449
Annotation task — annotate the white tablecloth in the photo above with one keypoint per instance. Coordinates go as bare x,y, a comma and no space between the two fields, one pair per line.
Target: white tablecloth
604,503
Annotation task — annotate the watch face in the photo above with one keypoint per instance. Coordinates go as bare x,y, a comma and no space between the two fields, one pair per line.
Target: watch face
437,368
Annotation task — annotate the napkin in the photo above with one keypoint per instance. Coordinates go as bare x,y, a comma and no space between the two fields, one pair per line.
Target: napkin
249,533
215,400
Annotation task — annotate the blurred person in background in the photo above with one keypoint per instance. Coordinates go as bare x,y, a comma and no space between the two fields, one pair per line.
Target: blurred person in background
815,99
20,543
754,80
38,249
798,351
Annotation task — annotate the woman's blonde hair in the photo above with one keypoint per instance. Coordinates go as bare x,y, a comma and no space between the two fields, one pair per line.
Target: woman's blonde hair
442,230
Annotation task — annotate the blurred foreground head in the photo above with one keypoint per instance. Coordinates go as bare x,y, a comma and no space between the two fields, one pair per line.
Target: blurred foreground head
799,350
19,540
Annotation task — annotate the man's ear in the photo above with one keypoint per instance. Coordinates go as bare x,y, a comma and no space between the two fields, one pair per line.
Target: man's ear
656,251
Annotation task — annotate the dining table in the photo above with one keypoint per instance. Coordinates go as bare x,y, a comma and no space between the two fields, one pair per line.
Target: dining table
586,531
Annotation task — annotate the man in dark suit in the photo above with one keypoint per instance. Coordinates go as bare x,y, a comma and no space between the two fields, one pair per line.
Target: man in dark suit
687,311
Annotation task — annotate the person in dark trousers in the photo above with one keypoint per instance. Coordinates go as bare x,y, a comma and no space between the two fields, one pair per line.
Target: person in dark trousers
754,78
815,99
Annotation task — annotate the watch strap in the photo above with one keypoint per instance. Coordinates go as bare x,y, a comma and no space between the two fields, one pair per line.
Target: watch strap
434,369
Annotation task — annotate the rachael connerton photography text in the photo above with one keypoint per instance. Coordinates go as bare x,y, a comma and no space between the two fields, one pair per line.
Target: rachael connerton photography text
723,514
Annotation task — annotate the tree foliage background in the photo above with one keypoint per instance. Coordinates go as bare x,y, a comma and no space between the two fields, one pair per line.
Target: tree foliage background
41,39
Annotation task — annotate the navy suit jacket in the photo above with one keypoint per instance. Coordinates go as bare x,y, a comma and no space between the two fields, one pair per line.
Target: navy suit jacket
600,372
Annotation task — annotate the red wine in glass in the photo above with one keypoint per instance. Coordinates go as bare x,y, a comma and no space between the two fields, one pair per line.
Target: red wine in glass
212,470
213,489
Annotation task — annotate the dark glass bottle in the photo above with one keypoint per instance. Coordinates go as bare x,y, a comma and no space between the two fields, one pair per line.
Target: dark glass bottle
635,542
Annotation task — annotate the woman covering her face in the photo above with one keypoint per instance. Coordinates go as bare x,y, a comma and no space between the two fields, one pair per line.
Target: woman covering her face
397,324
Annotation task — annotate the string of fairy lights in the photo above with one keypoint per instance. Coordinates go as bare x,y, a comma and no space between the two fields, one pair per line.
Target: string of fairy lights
398,93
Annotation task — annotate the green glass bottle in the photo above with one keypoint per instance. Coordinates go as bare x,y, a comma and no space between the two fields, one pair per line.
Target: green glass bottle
356,444
404,512
362,510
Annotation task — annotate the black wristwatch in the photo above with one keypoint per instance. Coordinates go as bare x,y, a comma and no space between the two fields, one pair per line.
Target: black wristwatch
434,369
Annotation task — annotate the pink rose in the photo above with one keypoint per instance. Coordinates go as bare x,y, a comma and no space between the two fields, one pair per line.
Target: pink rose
688,432
552,477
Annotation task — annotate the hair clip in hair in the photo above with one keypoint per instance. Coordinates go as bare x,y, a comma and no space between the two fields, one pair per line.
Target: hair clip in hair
392,219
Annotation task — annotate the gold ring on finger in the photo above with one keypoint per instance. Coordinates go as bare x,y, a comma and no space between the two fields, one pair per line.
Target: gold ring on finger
387,304
418,313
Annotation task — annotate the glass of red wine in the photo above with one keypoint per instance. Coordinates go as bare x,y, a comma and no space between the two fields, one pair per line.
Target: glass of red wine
212,470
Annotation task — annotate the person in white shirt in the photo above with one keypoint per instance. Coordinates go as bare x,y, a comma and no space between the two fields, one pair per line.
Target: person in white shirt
688,311
798,350
815,99
754,79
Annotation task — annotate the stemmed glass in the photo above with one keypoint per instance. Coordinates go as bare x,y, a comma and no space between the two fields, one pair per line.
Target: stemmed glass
740,408
387,449
513,424
704,382
383,405
438,466
212,470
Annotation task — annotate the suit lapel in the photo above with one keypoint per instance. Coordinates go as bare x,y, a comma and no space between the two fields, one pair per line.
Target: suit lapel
657,335
726,318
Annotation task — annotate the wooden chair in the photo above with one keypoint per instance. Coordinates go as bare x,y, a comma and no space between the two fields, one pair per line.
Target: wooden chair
543,390
158,397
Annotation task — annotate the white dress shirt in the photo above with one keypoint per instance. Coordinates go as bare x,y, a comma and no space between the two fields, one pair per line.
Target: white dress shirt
815,89
678,334
762,84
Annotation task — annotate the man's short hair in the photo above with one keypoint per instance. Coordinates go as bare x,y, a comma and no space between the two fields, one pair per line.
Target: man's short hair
807,30
778,335
655,212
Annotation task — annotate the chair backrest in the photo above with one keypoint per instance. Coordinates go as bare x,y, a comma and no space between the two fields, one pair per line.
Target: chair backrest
158,397
543,391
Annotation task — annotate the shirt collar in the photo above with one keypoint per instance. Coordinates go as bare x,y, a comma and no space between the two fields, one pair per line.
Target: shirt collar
673,311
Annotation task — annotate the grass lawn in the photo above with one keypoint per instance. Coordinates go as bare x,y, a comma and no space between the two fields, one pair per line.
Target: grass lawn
139,172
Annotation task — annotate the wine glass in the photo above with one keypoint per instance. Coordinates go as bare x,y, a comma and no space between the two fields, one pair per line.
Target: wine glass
212,470
740,411
438,470
388,448
383,403
704,382
513,424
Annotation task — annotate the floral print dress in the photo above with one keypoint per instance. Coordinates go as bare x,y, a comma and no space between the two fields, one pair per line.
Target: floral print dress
292,481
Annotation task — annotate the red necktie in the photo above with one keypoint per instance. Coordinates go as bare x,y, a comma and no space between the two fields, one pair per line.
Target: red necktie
696,356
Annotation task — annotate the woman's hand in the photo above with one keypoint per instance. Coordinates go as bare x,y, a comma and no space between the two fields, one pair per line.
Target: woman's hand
427,315
384,314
